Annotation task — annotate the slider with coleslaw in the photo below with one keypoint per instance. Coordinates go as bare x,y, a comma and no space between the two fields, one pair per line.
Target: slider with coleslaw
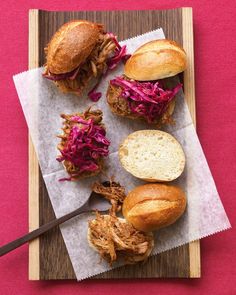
143,92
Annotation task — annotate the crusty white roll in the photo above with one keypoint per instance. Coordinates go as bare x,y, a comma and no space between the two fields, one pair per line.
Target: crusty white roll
152,155
150,207
156,60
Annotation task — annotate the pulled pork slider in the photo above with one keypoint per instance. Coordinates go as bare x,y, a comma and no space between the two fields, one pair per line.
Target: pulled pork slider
83,144
114,238
141,93
150,207
79,51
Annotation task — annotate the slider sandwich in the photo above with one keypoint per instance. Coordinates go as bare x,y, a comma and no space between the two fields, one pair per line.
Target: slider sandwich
143,92
83,144
79,51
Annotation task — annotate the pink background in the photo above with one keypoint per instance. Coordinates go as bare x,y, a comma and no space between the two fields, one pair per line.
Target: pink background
215,63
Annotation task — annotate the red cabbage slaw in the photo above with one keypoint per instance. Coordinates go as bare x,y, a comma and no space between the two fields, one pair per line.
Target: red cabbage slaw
86,144
57,77
119,55
146,99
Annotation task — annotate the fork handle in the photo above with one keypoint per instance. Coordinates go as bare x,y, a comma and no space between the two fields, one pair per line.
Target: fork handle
41,230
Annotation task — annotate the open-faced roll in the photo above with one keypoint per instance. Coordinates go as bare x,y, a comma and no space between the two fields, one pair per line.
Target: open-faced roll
83,144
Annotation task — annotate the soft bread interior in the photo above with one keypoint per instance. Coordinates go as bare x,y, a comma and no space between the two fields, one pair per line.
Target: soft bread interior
152,155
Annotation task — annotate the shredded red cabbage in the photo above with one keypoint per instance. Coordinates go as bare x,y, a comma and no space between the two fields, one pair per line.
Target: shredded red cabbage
86,143
112,63
57,77
120,54
146,99
93,94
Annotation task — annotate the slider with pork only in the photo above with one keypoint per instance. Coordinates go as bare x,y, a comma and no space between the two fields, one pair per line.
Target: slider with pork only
79,52
146,208
143,91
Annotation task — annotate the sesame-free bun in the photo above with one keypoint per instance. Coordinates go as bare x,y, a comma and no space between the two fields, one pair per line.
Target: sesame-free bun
71,45
156,60
150,207
152,155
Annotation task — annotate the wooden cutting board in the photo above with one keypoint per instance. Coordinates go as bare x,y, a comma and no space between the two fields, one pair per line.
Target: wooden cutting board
48,257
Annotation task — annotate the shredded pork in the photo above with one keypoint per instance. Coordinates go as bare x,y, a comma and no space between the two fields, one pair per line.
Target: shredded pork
120,106
113,237
113,192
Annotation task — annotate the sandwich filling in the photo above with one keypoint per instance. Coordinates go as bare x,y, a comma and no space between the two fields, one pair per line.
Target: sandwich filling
106,55
146,100
113,192
113,237
83,144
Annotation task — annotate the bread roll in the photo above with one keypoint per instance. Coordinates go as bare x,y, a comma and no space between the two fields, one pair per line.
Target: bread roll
156,60
71,45
152,155
153,206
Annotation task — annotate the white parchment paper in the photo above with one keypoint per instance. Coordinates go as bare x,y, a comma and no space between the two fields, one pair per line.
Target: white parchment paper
42,104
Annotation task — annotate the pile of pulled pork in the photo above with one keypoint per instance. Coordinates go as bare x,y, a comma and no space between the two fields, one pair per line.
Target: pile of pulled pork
114,237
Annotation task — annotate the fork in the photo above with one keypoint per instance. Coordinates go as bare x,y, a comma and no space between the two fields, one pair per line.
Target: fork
95,202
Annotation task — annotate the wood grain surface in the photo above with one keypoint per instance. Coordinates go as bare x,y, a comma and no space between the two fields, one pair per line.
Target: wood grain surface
48,257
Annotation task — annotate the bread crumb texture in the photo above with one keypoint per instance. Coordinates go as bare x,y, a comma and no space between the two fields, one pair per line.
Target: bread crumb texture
152,155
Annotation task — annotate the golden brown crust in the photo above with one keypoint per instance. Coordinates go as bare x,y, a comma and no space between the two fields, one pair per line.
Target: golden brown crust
156,60
71,45
153,206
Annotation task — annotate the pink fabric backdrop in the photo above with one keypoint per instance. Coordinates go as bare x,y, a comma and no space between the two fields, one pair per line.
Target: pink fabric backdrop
215,63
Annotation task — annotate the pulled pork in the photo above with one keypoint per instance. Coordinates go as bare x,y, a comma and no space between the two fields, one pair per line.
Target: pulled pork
83,144
152,101
113,192
106,54
114,237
